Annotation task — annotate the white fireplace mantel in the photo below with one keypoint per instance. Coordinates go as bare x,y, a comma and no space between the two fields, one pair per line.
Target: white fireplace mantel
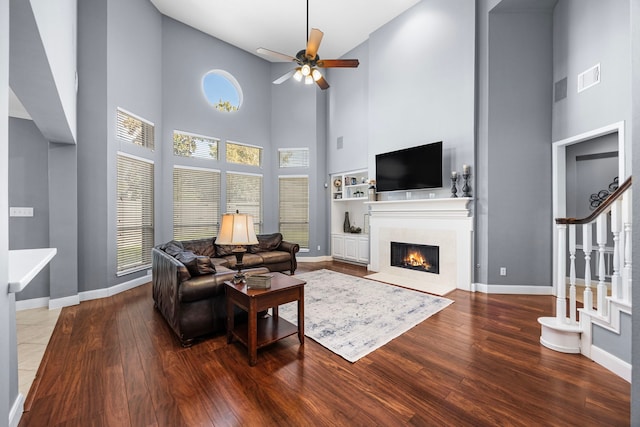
447,223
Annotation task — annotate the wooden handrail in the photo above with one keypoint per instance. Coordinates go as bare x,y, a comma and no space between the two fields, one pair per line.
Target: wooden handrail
603,206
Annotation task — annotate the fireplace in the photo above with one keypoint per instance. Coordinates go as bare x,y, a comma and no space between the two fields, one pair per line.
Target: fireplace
416,257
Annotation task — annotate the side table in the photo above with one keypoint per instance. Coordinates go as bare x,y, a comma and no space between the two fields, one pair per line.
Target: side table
257,333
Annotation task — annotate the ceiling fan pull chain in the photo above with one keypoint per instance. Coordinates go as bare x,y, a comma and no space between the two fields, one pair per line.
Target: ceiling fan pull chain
307,21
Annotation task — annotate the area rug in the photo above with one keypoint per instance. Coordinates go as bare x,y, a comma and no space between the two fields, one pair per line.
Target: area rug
353,316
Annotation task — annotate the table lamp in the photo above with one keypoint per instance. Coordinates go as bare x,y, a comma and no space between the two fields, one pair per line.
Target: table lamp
237,230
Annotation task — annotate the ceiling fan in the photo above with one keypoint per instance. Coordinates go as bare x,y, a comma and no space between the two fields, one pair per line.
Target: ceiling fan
308,60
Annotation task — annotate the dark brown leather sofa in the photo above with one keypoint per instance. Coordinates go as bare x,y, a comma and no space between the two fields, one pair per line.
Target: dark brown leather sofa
189,276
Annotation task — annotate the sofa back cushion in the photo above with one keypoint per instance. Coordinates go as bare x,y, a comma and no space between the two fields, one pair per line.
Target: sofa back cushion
201,246
196,264
266,243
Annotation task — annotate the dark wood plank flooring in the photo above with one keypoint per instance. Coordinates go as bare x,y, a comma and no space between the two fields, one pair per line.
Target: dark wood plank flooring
114,361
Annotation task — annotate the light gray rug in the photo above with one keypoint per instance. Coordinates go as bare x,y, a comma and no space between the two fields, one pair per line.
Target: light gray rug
353,316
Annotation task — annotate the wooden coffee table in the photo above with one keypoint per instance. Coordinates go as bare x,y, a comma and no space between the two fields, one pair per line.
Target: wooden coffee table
257,333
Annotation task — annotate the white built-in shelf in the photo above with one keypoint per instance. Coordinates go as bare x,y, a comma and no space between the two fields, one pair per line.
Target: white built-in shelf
25,264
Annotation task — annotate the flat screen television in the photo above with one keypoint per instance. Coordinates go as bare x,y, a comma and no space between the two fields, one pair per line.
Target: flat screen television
410,169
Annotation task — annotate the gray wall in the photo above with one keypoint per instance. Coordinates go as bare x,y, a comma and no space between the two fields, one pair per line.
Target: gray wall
348,101
29,187
516,150
577,47
422,83
8,347
587,173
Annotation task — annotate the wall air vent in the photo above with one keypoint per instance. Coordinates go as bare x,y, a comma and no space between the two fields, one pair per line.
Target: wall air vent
560,90
589,78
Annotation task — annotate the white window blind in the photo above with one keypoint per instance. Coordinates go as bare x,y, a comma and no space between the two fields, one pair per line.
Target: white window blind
293,157
243,154
134,213
191,145
196,203
134,129
244,194
294,209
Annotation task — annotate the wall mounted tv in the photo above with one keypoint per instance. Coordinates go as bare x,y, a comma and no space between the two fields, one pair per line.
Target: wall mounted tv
410,169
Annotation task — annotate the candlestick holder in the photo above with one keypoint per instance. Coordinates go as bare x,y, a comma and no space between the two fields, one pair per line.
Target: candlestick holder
454,189
466,190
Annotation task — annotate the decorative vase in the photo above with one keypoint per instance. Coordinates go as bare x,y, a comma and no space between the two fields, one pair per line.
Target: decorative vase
347,225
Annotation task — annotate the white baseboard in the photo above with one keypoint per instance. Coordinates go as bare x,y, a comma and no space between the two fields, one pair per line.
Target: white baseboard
315,258
28,304
612,363
63,302
15,414
82,296
512,289
114,290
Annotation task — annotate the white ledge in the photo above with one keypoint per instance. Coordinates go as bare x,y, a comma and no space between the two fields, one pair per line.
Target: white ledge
25,264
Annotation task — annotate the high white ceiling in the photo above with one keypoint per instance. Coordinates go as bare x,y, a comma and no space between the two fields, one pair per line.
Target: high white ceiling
281,25
278,25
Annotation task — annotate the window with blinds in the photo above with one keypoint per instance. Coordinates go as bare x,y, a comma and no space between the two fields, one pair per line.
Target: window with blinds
134,213
196,203
191,145
293,157
134,129
244,194
242,154
294,209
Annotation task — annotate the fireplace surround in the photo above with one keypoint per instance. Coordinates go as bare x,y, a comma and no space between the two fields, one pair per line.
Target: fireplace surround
446,223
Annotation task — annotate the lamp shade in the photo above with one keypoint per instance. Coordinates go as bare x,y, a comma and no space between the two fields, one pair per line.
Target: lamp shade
236,229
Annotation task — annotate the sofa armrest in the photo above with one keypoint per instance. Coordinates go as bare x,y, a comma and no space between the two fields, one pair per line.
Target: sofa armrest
167,275
292,248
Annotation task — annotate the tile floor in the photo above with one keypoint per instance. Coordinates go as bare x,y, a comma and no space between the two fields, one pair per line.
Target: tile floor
34,328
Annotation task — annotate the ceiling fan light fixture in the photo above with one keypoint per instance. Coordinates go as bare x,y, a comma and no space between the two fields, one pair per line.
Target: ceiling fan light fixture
298,75
306,70
308,80
316,74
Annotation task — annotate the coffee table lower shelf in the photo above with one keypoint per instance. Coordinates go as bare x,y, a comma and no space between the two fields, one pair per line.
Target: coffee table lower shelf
270,330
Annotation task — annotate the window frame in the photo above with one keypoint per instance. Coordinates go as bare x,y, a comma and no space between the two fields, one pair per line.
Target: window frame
216,224
149,142
195,135
145,260
308,212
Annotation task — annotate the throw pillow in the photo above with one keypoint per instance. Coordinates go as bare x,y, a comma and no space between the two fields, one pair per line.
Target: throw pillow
224,250
196,264
172,248
266,243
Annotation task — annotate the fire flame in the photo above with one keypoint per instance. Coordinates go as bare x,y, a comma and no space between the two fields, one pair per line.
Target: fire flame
415,259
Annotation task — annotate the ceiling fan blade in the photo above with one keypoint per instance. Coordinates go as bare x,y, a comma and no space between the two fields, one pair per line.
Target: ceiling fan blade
284,77
274,54
322,83
338,63
314,43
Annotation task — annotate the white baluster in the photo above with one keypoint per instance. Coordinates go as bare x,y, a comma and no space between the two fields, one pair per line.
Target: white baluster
601,239
616,223
586,248
561,281
572,273
626,291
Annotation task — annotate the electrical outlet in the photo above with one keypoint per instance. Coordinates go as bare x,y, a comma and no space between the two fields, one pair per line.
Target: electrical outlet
503,271
318,247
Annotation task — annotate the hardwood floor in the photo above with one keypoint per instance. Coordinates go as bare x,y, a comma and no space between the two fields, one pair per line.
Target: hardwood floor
114,361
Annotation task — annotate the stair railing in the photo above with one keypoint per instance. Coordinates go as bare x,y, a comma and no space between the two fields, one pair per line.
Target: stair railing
618,205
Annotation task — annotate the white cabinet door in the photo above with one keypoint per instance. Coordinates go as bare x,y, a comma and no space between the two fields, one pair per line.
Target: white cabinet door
351,248
363,249
337,246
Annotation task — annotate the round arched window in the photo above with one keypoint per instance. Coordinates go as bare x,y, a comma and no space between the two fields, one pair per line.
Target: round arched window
222,90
